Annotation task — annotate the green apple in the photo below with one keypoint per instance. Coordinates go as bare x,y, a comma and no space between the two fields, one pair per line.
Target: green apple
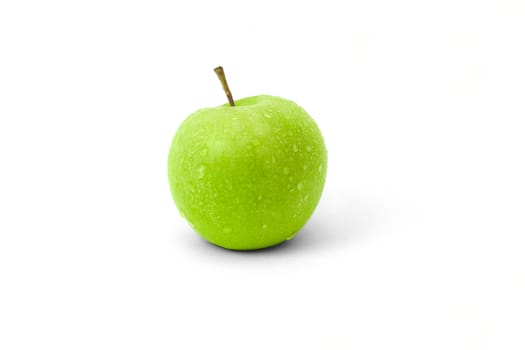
248,174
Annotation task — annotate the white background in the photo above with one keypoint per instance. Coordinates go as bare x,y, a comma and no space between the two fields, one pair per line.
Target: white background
417,243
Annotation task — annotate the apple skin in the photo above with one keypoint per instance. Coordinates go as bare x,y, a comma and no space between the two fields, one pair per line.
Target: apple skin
250,176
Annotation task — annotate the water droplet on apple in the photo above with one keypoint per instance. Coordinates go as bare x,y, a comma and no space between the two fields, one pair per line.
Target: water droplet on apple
309,148
305,167
291,237
320,169
200,173
259,198
266,115
300,186
286,171
264,226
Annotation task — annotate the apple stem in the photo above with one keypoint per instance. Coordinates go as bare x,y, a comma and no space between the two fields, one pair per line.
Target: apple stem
222,77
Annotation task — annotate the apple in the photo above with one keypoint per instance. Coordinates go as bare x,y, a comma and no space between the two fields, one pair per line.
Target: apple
249,174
